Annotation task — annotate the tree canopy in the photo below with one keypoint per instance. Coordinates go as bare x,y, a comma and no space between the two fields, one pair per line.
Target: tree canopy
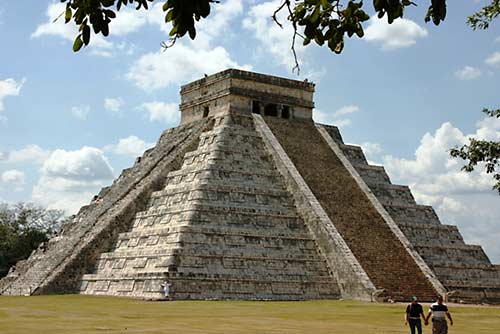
479,151
326,22
23,227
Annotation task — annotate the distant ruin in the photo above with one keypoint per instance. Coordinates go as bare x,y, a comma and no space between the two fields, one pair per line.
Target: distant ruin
249,199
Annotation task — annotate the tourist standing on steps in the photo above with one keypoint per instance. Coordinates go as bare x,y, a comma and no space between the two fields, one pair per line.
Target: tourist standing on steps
439,312
166,289
412,316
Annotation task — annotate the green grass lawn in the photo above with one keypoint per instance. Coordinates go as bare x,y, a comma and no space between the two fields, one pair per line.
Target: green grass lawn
82,314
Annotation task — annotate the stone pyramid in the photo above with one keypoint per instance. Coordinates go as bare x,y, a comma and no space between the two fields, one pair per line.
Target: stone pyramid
250,199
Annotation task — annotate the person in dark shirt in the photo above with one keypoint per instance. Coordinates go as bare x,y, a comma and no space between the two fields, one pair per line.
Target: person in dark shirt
412,316
439,312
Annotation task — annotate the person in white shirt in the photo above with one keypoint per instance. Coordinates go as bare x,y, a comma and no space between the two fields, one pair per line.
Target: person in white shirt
439,312
166,288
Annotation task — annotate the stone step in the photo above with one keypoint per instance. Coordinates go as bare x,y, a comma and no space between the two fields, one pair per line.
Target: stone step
432,235
354,153
305,253
195,238
223,187
390,194
219,173
372,174
215,220
411,213
221,208
212,265
205,194
206,212
215,288
225,157
220,230
229,131
453,254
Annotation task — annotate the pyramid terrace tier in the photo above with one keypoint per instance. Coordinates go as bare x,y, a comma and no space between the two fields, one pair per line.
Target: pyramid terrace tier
211,287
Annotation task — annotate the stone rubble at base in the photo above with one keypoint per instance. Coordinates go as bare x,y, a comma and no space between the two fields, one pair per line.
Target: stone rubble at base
233,205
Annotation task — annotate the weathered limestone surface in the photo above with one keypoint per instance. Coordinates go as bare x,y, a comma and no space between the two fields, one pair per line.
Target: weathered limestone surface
224,227
388,264
464,270
58,266
353,280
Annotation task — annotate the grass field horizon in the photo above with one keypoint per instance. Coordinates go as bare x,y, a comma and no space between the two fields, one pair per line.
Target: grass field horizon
84,314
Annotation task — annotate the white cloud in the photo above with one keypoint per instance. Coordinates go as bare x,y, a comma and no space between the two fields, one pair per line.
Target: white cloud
179,65
186,60
273,39
332,118
29,154
80,112
342,123
69,179
493,59
163,112
113,104
468,73
460,198
8,87
69,31
346,110
128,21
88,163
371,149
497,40
131,146
402,33
15,178
216,25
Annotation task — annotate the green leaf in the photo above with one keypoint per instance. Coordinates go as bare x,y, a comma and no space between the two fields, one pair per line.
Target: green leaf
86,34
68,14
107,3
169,16
192,32
204,8
77,45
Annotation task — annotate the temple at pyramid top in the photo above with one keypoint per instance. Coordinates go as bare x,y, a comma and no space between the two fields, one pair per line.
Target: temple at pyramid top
246,91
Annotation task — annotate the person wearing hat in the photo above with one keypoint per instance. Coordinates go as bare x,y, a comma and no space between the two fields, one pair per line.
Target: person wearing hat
439,312
412,316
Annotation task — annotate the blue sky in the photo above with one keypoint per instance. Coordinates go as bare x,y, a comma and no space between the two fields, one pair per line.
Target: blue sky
69,123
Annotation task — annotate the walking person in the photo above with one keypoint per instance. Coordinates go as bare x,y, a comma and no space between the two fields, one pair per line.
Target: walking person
414,312
439,312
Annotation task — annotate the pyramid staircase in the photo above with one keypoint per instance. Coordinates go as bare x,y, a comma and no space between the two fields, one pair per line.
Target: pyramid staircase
382,255
224,227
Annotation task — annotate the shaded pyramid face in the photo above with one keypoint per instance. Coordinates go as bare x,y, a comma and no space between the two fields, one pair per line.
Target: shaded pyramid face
250,199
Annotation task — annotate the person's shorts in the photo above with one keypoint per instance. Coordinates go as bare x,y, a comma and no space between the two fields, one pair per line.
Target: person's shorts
439,326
